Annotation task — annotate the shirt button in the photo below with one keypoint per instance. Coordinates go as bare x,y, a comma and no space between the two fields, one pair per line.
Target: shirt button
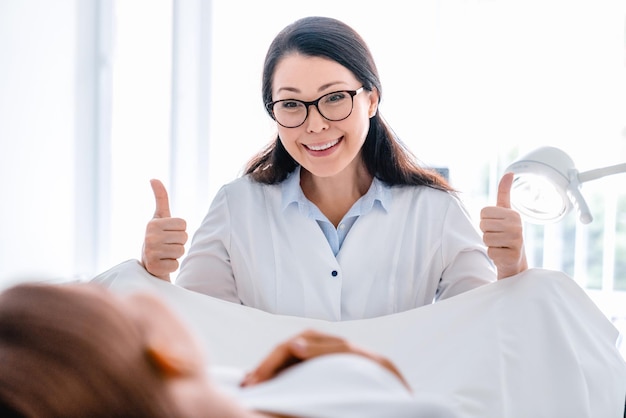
334,273
342,226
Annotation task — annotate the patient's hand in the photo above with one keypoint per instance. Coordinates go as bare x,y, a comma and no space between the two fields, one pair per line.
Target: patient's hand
307,345
165,238
503,233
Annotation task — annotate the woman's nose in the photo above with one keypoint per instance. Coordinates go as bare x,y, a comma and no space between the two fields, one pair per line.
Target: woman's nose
315,122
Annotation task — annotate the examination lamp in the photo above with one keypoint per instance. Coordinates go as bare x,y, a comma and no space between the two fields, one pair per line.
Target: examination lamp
547,185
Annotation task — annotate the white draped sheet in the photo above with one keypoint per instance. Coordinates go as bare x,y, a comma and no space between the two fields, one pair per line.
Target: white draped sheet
533,345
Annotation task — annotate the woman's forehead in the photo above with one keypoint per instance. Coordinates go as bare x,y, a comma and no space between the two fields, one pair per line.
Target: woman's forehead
310,74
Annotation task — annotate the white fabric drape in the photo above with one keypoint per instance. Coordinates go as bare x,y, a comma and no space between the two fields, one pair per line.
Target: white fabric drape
533,345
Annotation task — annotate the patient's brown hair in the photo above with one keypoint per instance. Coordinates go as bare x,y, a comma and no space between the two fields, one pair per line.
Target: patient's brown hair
64,354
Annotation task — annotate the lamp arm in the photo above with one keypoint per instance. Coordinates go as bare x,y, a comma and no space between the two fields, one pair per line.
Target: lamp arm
576,197
601,172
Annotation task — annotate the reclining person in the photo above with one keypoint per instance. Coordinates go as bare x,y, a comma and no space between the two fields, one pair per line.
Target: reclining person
79,350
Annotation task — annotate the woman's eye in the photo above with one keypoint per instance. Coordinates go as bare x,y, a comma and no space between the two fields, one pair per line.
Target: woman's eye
335,97
290,104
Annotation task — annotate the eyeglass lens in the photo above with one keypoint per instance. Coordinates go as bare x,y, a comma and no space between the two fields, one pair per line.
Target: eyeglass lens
333,106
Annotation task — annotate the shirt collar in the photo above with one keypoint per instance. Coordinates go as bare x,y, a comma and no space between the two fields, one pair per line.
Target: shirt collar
378,192
291,190
292,194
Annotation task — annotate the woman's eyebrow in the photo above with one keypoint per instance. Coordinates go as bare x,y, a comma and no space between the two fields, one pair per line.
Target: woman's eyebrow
289,89
327,85
320,89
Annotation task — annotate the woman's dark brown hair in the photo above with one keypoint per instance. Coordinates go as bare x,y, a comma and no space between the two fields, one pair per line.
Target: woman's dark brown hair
384,155
68,354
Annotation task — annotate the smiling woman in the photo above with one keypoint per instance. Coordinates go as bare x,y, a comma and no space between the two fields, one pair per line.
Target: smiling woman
335,218
99,107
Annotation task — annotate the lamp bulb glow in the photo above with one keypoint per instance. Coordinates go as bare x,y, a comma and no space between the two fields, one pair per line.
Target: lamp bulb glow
537,199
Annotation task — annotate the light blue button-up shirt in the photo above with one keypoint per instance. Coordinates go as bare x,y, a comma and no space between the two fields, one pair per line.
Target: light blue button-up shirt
292,193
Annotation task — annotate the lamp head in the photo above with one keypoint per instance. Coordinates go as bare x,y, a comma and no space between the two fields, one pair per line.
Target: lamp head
546,186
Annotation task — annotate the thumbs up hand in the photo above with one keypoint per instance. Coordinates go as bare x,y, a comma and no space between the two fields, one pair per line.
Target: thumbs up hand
502,232
165,238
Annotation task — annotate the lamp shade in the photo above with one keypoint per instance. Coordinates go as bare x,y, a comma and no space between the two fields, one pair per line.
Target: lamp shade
546,186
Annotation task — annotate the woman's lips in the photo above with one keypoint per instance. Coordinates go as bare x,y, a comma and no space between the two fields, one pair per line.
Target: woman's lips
323,148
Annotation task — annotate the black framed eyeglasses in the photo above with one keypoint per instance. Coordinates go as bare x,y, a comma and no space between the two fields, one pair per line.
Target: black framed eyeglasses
334,107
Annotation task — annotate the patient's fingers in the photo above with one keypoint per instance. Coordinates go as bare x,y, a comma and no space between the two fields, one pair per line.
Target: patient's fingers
307,345
278,360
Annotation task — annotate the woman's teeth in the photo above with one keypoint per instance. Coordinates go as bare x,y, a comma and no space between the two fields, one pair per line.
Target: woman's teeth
324,146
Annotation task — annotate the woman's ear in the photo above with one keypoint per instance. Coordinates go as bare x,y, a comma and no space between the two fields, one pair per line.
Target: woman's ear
373,106
170,362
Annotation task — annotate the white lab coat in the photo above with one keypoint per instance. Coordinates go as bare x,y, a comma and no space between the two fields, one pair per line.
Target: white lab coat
256,249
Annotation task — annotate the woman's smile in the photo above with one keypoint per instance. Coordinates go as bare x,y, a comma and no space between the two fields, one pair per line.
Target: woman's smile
320,148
